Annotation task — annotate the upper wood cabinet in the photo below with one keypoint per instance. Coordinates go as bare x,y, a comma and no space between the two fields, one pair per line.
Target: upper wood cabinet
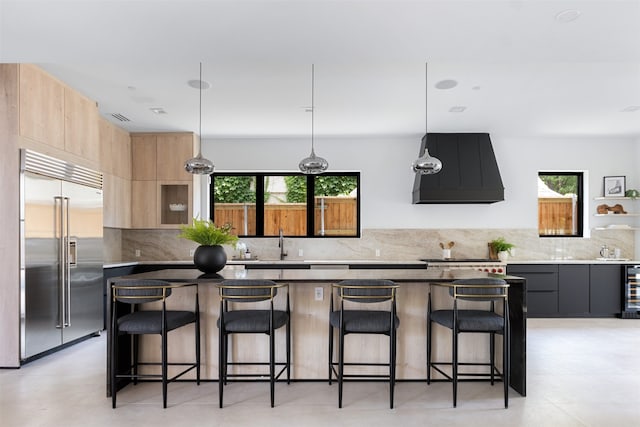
173,149
143,157
54,115
41,106
161,188
115,150
161,156
81,126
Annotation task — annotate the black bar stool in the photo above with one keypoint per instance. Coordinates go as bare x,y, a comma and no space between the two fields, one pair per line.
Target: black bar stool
473,319
254,320
138,322
363,321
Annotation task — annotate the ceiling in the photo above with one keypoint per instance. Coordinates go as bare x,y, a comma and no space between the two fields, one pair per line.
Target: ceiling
520,69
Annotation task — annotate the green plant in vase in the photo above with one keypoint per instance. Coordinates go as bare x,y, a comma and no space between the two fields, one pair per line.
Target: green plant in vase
500,245
210,256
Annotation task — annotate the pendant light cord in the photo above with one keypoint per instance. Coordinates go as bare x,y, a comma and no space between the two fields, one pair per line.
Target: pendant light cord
426,97
200,116
313,108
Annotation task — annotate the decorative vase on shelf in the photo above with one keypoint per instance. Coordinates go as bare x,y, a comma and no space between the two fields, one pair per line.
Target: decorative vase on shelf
210,258
503,256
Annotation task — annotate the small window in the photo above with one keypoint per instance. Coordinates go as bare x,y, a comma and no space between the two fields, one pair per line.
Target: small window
560,204
261,204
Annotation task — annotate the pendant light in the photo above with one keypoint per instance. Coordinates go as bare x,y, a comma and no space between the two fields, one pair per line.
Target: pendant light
426,164
313,164
199,165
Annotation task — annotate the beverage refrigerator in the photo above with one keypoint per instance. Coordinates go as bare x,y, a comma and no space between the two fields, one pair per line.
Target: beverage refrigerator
61,254
632,292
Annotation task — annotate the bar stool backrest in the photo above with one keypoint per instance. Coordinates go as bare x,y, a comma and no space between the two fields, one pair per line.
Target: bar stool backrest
366,291
141,291
246,290
481,289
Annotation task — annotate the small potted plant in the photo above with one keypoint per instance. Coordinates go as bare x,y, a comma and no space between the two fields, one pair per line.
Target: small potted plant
210,256
499,248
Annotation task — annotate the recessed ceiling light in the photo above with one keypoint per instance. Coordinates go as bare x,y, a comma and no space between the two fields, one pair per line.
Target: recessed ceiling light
631,109
158,110
457,109
446,84
199,84
568,15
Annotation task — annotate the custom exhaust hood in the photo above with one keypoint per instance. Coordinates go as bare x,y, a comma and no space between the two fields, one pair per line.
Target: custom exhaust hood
469,173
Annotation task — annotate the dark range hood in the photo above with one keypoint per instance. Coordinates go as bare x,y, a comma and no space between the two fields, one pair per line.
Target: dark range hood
469,172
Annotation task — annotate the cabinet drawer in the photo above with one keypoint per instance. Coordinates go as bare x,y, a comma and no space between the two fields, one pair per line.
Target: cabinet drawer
539,277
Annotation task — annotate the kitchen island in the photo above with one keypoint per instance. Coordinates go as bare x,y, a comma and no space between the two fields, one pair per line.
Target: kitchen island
310,320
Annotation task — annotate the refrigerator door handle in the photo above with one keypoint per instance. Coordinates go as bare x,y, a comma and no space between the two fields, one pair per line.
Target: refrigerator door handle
59,233
67,264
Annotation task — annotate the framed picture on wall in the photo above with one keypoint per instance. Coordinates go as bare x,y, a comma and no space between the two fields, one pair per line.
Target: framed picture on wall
614,186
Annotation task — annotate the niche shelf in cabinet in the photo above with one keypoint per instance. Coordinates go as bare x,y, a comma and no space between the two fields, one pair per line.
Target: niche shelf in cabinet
175,203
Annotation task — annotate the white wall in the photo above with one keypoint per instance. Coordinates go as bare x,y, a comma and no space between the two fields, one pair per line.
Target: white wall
387,179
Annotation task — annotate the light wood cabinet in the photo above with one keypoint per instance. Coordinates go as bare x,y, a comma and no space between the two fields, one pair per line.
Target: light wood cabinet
41,100
143,157
172,151
157,162
144,208
115,163
81,126
115,150
117,202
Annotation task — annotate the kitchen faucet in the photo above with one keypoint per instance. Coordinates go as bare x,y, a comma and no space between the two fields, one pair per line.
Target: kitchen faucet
281,244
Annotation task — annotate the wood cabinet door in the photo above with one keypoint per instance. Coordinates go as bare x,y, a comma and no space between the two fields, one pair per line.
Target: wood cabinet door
143,157
41,107
117,202
144,212
81,126
173,151
121,153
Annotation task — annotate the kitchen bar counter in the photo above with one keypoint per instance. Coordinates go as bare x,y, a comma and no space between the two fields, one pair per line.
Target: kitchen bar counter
310,318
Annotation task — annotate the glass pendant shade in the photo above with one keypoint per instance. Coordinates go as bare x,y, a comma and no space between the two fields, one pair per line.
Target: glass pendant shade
198,165
426,164
312,165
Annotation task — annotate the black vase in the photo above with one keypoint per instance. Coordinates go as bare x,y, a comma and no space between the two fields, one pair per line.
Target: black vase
210,259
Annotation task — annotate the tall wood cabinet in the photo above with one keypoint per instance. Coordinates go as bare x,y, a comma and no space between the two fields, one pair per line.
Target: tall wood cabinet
115,161
161,190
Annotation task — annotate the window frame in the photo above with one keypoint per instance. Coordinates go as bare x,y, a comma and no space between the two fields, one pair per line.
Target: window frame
580,203
310,201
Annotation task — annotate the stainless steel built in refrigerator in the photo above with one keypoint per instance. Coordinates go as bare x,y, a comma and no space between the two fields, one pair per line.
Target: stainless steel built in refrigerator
61,254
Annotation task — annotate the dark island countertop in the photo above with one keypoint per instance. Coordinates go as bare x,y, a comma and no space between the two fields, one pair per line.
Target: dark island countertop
318,275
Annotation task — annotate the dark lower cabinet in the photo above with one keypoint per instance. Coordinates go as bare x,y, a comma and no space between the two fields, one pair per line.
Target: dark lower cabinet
572,290
606,289
542,287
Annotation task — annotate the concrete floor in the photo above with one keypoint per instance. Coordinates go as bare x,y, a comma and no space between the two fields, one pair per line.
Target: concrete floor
581,372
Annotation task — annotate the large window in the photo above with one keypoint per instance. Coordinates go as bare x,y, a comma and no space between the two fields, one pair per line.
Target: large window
560,204
262,204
